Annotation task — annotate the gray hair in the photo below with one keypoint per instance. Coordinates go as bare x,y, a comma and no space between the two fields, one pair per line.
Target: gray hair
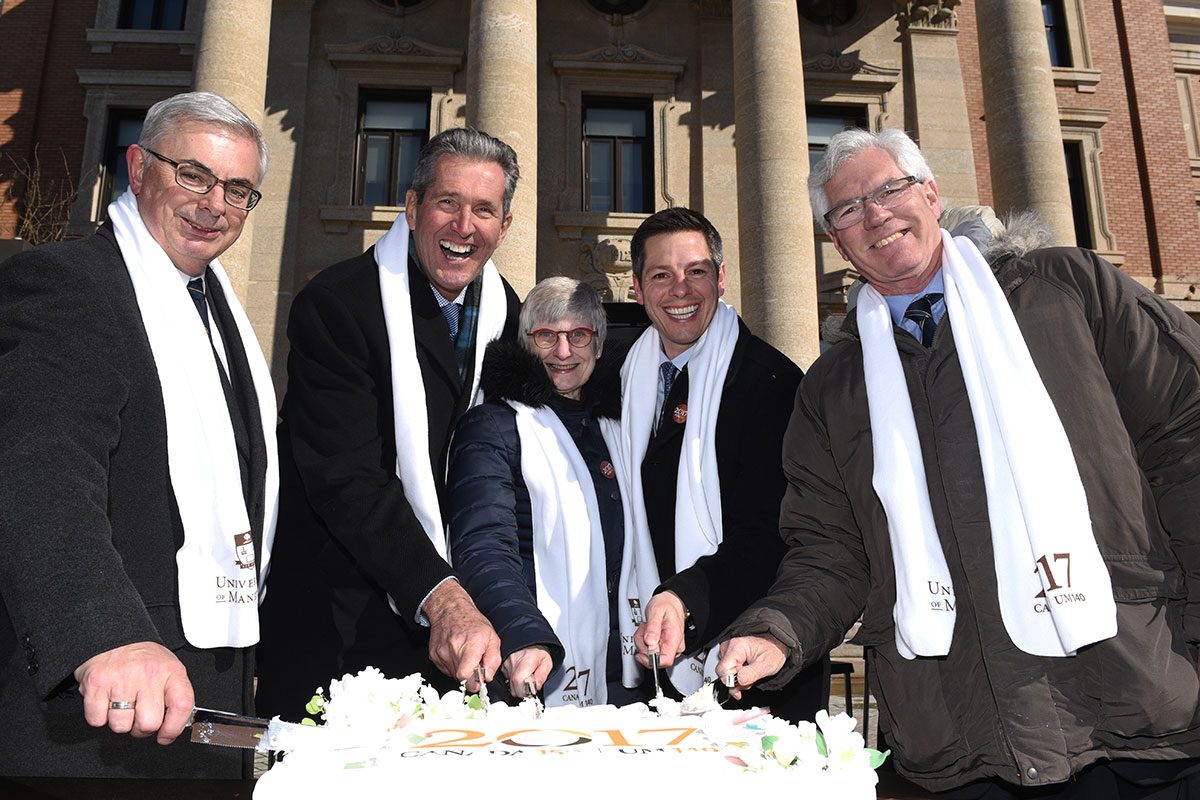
556,299
165,116
848,144
468,143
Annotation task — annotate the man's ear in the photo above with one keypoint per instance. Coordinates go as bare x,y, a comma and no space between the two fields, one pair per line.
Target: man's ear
410,207
637,291
721,280
136,162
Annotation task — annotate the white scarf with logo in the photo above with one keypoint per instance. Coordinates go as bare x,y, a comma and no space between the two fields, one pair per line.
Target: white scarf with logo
698,528
408,389
1054,589
568,554
218,583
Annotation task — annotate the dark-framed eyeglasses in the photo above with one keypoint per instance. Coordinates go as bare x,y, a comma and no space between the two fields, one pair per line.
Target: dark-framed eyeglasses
546,338
851,212
196,178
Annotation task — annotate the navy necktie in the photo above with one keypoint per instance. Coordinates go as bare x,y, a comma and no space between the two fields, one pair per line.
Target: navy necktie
668,372
920,311
452,311
196,292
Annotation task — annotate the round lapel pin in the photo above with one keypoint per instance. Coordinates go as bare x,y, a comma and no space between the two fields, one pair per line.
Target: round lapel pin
606,469
680,414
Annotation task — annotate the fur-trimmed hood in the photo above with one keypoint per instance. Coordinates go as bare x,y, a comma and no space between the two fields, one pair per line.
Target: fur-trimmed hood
510,372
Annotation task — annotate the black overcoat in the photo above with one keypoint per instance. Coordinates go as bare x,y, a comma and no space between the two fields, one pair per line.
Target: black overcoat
347,536
88,522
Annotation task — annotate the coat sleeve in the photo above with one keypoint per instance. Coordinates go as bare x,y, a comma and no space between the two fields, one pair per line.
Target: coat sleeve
720,586
332,413
488,508
62,580
821,585
1151,354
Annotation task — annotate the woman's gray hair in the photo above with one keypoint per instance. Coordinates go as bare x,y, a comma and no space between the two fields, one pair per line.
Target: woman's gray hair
556,299
848,144
474,145
165,116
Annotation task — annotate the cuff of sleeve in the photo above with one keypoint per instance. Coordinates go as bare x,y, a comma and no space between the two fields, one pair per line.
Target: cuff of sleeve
421,619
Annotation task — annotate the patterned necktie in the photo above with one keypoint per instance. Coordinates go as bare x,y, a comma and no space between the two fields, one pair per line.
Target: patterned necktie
196,292
451,312
920,311
668,372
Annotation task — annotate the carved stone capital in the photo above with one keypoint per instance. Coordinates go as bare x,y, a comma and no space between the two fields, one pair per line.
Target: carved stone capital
927,14
605,264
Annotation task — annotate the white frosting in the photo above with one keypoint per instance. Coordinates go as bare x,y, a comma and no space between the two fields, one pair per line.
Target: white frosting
387,738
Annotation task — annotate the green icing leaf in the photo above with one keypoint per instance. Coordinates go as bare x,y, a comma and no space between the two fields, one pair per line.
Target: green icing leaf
822,748
877,758
309,722
768,742
316,705
415,738
475,703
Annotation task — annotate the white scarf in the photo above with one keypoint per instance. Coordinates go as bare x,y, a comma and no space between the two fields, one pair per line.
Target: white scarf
1054,589
698,528
408,390
568,555
218,584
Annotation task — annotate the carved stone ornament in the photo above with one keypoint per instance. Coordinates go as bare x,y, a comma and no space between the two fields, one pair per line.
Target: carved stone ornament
605,265
927,14
844,63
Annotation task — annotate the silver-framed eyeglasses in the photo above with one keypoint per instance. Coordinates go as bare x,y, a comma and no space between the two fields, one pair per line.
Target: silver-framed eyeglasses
851,212
196,178
545,338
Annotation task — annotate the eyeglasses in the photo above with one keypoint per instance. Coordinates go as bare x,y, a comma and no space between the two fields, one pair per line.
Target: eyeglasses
850,212
577,337
197,179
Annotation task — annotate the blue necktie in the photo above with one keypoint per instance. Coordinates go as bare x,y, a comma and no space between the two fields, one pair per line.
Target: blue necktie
668,372
451,312
920,311
196,292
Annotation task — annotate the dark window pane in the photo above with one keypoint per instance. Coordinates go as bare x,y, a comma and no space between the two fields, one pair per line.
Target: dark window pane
172,14
600,189
410,149
1056,34
628,122
377,168
632,190
396,115
1077,184
826,121
138,14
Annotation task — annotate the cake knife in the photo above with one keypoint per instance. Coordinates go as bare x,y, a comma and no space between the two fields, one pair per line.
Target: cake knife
482,691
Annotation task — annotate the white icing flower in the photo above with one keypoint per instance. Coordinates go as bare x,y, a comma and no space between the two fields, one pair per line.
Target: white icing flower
843,743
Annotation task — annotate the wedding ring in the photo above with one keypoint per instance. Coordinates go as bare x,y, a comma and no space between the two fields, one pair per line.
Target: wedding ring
122,705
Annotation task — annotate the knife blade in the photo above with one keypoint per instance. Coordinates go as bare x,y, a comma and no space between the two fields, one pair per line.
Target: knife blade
226,729
482,691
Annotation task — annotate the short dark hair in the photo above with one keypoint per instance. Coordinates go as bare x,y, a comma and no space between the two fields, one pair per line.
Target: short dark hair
468,143
673,220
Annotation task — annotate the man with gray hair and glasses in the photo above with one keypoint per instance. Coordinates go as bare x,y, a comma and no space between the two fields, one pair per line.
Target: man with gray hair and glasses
998,467
385,357
138,471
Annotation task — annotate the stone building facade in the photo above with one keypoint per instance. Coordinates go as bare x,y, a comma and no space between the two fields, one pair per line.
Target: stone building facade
1084,110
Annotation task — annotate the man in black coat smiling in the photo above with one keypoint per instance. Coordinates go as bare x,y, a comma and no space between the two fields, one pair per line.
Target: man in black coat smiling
704,456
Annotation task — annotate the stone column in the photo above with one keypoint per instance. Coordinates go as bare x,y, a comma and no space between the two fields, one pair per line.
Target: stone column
935,102
231,60
1025,143
775,225
502,100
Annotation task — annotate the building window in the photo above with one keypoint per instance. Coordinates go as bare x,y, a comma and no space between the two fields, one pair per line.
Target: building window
617,156
1077,183
825,121
153,15
124,128
392,128
829,13
1054,17
618,6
